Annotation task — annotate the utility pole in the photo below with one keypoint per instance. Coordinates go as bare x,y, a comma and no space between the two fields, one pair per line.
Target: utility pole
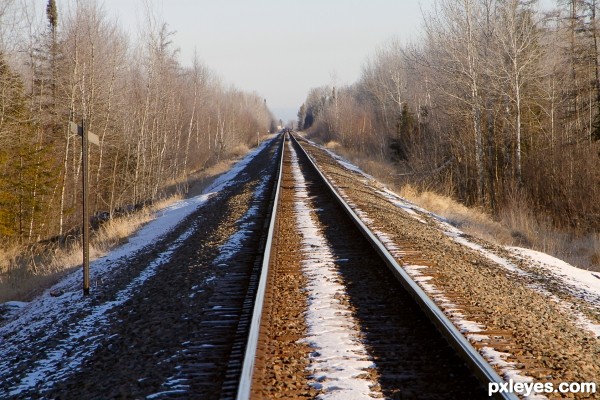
86,211
86,137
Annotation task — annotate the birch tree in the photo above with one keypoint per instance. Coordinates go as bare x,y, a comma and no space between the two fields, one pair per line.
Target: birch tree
454,47
517,37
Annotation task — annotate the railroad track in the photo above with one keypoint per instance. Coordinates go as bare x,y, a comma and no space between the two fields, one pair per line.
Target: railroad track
182,334
324,311
336,315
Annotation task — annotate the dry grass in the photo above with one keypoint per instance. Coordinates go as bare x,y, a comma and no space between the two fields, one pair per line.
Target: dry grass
200,180
595,257
581,250
115,231
332,145
25,274
8,253
240,150
515,225
472,221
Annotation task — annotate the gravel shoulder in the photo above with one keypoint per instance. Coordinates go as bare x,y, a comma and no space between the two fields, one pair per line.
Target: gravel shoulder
143,329
521,320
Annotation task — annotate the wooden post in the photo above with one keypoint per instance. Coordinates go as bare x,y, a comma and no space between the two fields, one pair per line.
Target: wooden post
86,211
86,138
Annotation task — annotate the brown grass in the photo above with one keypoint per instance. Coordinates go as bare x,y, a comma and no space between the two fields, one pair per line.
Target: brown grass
240,150
515,225
472,221
200,180
332,145
25,273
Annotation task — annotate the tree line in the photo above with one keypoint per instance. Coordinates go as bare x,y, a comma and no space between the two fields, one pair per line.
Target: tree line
499,100
157,120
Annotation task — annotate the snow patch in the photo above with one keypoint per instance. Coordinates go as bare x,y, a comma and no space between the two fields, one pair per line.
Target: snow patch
234,242
339,358
174,384
10,309
46,316
583,279
581,283
69,354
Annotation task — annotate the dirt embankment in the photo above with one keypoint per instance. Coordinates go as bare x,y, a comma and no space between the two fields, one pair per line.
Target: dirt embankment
541,337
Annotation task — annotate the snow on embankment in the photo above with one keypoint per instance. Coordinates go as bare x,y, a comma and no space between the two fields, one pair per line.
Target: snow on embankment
33,327
339,358
514,289
581,284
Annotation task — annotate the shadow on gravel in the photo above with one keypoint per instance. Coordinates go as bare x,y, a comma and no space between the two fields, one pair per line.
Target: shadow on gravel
412,359
175,336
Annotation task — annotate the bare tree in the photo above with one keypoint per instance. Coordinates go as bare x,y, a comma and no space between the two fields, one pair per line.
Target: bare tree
517,38
455,46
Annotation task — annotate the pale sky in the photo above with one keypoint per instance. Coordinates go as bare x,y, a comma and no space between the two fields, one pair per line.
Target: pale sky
280,48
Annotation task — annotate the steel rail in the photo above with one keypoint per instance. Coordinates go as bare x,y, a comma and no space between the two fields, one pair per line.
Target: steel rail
478,365
245,382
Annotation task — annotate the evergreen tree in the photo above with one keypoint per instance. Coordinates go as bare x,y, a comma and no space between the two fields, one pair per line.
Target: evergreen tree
25,168
52,14
405,126
301,117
